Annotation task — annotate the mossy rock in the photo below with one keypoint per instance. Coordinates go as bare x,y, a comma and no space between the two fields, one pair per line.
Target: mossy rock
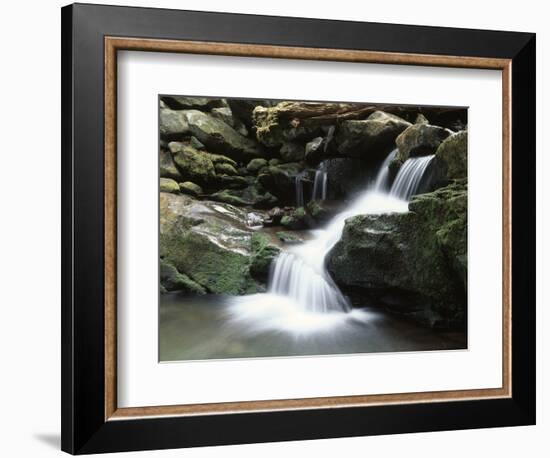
297,219
229,197
167,167
220,159
292,152
188,187
255,165
452,156
173,123
172,280
263,253
169,185
224,168
208,242
232,181
288,237
193,164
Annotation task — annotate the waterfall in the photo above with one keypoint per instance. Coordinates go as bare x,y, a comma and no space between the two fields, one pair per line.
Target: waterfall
410,175
299,190
320,184
300,274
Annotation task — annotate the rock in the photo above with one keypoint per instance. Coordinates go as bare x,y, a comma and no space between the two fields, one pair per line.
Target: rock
421,119
414,262
169,185
167,167
207,241
243,108
226,116
220,159
274,161
195,143
275,215
173,124
193,164
263,253
232,181
451,156
288,237
172,280
314,151
322,211
371,139
418,140
292,152
225,168
217,136
280,180
178,102
188,187
256,164
252,196
295,220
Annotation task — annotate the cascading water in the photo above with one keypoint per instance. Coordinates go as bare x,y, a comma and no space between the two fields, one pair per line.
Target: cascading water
409,177
320,184
301,294
299,189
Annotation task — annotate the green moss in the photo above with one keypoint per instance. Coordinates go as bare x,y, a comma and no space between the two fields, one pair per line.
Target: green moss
193,165
256,165
188,187
225,168
172,280
263,253
453,155
169,185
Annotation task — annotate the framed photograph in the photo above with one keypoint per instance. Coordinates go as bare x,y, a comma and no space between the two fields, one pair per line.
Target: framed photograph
281,228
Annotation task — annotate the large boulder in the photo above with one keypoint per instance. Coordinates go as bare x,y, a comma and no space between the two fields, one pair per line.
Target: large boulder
217,136
369,139
173,124
451,157
169,185
226,115
418,140
208,242
413,262
194,165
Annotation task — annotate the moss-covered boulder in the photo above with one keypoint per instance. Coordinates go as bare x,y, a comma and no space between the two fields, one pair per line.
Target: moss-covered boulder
296,219
172,280
168,168
209,242
193,164
188,187
217,136
288,237
255,165
169,185
173,124
370,139
420,139
452,156
224,168
253,196
413,262
263,253
220,159
292,152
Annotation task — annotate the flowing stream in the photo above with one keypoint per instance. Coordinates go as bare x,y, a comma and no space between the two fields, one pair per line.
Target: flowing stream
301,294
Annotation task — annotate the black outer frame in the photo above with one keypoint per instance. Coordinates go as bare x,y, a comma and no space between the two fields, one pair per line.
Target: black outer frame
84,429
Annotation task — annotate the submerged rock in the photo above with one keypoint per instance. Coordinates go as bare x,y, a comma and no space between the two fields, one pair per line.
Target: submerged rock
370,139
412,262
208,242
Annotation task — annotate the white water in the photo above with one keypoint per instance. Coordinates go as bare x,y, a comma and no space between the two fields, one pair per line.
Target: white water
302,297
320,184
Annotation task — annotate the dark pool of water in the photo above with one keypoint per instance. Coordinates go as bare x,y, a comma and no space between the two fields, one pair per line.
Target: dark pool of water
207,327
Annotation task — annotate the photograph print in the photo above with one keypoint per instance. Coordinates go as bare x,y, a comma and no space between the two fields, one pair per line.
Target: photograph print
295,228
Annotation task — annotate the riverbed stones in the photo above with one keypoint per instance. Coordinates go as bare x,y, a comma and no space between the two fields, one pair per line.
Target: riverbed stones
168,168
173,124
188,187
255,165
193,165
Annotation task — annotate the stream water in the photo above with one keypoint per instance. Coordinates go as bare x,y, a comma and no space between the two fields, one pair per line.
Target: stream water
303,312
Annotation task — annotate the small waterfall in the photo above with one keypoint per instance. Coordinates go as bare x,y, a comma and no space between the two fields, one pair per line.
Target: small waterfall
299,190
300,275
410,175
320,184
